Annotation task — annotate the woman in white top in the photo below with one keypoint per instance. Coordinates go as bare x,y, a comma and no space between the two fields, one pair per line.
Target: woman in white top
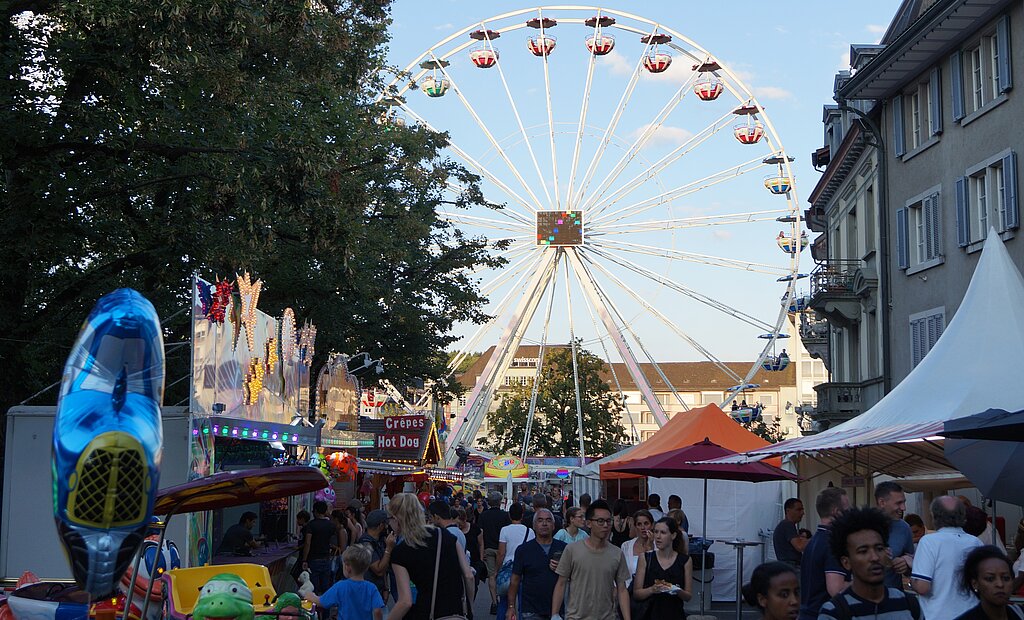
573,530
636,547
509,539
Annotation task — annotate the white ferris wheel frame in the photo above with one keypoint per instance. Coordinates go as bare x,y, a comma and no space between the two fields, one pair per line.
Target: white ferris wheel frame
534,269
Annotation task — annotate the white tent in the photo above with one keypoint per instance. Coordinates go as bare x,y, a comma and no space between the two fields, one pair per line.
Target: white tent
587,479
974,366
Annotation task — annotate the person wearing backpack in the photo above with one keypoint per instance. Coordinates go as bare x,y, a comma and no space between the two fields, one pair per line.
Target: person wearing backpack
858,542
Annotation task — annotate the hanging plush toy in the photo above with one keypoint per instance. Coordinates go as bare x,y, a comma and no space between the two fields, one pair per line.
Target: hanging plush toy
107,439
224,597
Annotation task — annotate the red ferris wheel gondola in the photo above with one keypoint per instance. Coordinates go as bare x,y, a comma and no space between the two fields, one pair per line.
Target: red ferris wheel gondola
599,43
708,88
484,55
542,44
656,60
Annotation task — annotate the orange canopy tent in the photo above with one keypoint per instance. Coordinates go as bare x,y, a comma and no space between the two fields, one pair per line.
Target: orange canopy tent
685,429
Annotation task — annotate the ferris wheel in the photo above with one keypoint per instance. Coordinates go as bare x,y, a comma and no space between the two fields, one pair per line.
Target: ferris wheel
636,186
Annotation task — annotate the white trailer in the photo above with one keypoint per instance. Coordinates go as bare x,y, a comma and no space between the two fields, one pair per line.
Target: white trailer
28,537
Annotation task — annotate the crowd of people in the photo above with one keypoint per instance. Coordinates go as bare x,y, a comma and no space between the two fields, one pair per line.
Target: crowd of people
544,559
878,562
538,559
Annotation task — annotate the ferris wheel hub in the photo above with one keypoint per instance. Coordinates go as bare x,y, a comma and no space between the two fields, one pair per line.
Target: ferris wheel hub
560,228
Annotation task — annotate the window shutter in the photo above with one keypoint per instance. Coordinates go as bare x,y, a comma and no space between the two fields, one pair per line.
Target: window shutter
898,137
1010,183
956,90
935,102
916,342
934,225
934,330
902,247
1003,43
962,216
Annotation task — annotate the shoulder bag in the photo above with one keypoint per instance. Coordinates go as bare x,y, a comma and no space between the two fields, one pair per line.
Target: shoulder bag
638,610
504,576
433,594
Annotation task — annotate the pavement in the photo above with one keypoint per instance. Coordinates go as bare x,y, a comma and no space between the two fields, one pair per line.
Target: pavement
718,611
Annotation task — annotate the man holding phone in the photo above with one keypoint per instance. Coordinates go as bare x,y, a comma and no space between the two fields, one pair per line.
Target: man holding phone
533,571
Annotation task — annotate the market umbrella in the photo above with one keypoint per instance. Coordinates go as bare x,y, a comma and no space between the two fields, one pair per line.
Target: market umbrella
688,462
994,424
993,467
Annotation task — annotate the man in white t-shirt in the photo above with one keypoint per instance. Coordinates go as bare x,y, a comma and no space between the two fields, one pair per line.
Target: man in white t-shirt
938,559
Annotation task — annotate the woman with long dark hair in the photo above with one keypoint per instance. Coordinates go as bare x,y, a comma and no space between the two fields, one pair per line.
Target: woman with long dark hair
988,574
774,589
665,576
416,560
622,523
635,548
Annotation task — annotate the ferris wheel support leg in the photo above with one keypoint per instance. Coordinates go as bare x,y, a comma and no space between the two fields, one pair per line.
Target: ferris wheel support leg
465,427
590,289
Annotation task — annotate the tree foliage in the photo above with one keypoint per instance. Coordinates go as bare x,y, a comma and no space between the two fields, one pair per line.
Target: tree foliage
555,430
769,431
144,141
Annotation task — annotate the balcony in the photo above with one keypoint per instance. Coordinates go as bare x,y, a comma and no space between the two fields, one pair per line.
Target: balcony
833,292
837,402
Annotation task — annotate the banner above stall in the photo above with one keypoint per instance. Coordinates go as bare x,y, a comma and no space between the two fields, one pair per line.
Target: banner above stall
246,363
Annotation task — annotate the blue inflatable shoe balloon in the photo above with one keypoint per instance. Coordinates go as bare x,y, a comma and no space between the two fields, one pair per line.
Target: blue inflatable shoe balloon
107,439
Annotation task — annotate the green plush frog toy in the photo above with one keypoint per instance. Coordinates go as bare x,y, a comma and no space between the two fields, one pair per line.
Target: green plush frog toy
224,597
289,606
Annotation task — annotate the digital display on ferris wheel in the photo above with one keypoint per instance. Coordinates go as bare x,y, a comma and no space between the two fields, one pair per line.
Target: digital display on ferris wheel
559,228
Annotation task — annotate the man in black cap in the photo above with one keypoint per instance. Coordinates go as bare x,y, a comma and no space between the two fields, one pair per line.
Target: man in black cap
381,542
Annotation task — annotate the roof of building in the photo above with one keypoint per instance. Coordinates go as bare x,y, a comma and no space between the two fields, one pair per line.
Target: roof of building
921,33
685,376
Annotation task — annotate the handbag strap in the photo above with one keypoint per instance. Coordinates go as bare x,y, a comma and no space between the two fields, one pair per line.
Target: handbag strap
437,569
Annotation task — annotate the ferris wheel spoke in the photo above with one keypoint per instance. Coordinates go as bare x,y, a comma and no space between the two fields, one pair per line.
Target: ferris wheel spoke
483,171
641,141
609,131
692,257
575,365
487,132
667,321
584,108
506,348
680,223
519,119
499,311
654,169
498,281
606,304
535,388
679,288
482,222
710,180
551,117
615,375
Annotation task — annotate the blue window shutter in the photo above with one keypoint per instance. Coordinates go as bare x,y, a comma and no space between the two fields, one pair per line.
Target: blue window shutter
935,102
956,89
1010,184
902,247
1003,43
898,137
935,228
962,216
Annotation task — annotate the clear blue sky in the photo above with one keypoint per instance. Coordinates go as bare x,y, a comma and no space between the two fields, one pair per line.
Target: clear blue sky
786,52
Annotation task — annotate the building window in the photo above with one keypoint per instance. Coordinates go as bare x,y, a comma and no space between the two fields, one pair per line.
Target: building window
981,71
987,197
645,435
925,329
918,232
646,417
510,380
915,119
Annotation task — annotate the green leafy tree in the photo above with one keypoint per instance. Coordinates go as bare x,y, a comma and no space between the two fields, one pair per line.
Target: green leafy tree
555,429
769,431
144,141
